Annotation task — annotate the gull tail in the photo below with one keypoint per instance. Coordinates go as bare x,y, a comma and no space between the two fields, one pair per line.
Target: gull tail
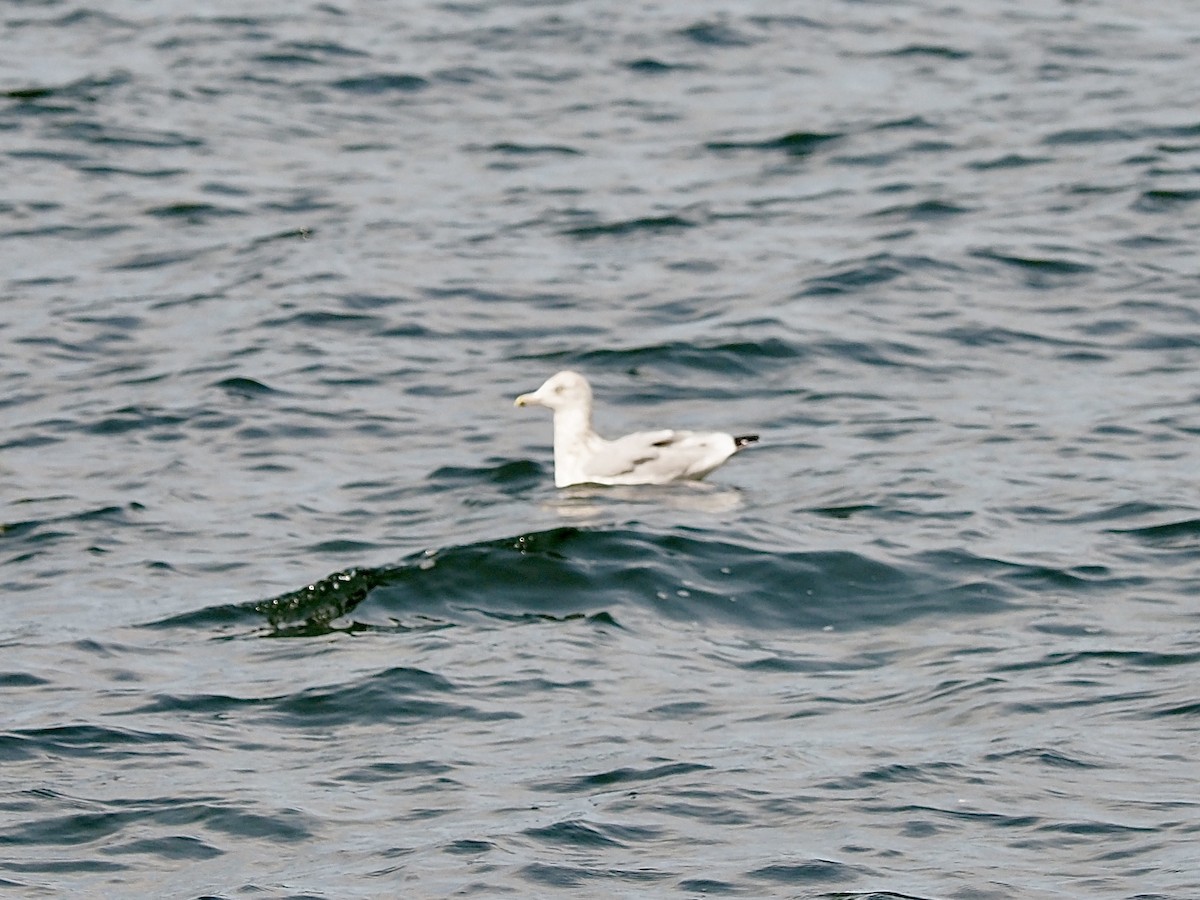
743,440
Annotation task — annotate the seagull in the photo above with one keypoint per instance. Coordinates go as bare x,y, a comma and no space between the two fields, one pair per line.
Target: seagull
646,457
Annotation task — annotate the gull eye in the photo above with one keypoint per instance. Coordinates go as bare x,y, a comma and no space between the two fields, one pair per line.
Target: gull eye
559,389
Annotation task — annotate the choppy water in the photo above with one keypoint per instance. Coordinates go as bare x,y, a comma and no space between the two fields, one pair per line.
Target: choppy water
291,607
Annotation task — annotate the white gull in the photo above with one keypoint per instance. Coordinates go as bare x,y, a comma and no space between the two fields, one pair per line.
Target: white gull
646,457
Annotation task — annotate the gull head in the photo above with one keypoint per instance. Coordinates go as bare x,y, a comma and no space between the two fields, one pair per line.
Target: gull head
566,390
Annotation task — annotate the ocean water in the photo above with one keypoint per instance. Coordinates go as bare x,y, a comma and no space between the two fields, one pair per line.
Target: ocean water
291,605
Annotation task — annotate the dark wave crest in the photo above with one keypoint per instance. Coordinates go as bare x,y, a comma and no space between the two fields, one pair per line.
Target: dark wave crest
599,573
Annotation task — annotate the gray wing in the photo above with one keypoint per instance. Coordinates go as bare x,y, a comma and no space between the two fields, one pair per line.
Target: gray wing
656,457
626,454
675,455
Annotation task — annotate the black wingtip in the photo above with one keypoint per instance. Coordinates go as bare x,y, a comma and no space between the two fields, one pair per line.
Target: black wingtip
742,440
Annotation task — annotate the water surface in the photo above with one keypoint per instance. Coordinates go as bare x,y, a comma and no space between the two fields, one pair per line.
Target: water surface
292,606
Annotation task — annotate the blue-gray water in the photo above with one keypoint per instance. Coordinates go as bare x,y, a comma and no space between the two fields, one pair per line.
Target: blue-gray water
291,607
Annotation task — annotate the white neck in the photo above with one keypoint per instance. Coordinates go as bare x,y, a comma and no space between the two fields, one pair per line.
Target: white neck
572,432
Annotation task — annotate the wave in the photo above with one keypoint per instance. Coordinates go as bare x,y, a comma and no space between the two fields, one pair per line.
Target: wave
601,574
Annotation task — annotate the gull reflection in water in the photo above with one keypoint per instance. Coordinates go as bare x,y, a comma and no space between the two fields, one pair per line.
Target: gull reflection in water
585,500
